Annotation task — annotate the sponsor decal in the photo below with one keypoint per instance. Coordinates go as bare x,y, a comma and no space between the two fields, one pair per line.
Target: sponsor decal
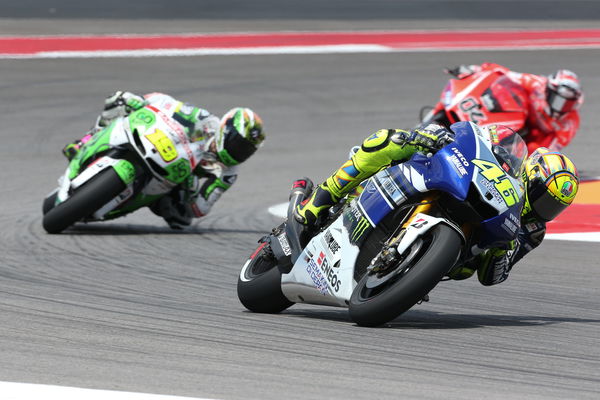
457,164
327,269
491,189
316,276
371,188
361,227
285,245
418,224
462,158
374,136
567,189
493,133
392,190
510,226
531,226
356,223
332,244
300,183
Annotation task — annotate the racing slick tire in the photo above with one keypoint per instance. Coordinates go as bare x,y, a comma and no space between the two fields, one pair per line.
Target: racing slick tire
87,199
376,301
259,284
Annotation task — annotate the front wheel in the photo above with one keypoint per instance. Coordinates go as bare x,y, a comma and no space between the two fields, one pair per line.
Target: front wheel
84,202
259,283
376,300
49,202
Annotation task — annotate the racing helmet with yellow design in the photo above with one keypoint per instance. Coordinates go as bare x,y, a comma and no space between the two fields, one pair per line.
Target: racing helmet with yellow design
552,182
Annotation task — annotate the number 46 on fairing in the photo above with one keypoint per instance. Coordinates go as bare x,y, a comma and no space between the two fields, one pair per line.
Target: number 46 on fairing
493,173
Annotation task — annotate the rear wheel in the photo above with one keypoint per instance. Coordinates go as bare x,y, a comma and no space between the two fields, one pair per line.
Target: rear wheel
380,298
84,202
259,283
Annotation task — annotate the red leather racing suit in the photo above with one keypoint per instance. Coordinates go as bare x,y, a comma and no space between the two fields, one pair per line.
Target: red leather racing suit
542,130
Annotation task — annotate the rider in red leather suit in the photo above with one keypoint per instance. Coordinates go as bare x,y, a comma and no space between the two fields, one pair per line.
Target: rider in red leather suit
553,118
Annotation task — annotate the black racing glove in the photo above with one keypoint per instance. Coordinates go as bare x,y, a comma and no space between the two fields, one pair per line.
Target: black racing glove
461,71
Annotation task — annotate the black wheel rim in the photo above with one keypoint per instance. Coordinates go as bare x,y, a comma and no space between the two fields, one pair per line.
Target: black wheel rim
373,286
260,264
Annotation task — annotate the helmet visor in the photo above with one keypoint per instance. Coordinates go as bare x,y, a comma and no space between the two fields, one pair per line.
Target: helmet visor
236,149
544,204
560,102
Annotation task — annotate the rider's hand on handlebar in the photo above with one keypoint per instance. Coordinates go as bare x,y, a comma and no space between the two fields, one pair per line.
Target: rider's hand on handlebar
432,137
120,104
461,71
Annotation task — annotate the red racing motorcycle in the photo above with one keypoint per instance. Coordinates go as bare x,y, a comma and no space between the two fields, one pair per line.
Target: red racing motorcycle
485,98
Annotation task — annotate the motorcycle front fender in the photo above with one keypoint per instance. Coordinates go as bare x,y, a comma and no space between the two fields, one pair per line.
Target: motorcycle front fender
420,224
123,168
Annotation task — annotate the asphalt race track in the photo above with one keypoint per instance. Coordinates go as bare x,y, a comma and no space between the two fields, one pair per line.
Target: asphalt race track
131,305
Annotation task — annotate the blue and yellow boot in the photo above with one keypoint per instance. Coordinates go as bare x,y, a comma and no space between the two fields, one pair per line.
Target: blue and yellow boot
311,211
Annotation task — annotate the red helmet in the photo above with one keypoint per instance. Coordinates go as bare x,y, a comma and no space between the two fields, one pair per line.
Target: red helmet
563,92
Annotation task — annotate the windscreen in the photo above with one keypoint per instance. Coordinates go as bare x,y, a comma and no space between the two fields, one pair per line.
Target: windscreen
510,151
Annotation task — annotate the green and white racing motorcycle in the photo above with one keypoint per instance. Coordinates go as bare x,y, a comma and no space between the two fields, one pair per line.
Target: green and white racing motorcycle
128,165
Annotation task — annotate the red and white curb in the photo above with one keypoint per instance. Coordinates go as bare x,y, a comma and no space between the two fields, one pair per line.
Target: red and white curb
29,391
94,46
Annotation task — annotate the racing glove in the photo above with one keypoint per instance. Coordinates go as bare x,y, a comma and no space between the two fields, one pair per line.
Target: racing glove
430,138
462,71
120,104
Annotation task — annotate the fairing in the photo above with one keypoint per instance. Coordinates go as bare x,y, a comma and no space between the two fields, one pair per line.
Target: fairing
486,98
323,272
465,165
152,143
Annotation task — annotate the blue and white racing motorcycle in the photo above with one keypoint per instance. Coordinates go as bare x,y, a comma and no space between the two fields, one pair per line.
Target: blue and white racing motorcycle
414,222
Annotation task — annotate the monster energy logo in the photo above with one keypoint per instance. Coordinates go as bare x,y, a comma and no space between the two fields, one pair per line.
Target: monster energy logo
360,229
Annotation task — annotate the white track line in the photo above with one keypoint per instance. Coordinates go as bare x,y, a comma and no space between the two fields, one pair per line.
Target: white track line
579,237
29,391
344,48
329,49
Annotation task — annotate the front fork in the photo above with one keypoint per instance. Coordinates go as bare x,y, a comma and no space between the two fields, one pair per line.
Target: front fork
417,221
